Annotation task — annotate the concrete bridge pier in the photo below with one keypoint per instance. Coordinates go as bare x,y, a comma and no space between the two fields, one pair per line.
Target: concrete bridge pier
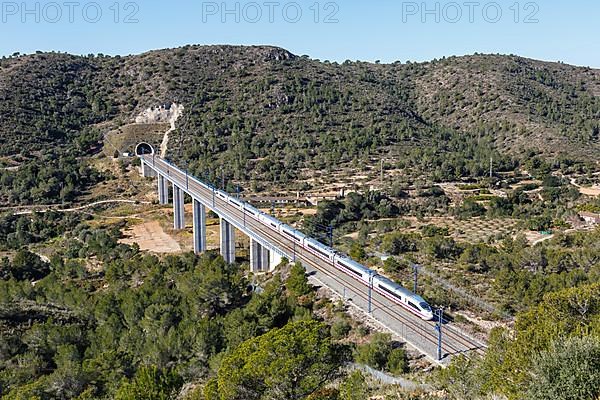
178,210
163,190
259,257
147,172
227,241
262,259
199,227
254,255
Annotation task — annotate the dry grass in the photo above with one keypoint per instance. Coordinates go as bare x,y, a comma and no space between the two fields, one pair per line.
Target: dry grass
127,137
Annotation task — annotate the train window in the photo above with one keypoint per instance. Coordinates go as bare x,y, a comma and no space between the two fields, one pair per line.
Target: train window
317,250
413,306
355,272
425,306
385,289
289,234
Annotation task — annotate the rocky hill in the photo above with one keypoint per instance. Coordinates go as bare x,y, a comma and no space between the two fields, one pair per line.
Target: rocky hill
262,111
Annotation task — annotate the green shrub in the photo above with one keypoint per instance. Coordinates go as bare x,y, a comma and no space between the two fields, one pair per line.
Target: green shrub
354,387
340,328
375,354
397,362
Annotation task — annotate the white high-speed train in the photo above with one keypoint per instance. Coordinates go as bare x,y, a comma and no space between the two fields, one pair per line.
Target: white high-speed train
405,298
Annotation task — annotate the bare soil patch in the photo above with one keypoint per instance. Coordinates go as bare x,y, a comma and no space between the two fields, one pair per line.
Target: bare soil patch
590,191
150,236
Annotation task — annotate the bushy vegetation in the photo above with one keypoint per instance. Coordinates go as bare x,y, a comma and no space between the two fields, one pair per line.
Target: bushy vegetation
521,274
353,208
553,353
49,179
288,363
263,114
17,231
381,354
147,323
142,326
25,266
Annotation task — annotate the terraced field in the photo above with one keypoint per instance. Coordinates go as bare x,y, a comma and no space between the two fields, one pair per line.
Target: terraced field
473,230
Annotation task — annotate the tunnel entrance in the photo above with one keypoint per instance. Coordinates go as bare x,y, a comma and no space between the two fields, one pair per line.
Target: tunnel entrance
143,149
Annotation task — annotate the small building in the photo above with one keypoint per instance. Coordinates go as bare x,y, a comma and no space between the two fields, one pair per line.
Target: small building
316,199
590,218
279,200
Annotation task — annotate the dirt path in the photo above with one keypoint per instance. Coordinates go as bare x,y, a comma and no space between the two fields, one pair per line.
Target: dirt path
177,111
81,208
593,191
150,236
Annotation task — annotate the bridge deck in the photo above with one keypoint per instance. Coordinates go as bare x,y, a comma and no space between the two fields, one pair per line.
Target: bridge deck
417,332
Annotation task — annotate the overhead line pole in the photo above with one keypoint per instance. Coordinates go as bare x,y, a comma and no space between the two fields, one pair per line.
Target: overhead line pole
416,278
438,328
187,179
382,174
370,292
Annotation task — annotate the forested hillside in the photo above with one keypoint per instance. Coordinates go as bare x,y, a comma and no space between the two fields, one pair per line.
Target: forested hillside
143,326
187,327
261,112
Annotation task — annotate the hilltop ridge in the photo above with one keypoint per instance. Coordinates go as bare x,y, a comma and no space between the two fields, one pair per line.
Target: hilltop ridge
246,103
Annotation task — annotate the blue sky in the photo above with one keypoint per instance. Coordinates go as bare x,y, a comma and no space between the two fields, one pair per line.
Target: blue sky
385,30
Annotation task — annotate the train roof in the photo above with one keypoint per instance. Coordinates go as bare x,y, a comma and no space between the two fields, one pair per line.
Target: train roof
355,264
295,231
319,244
271,218
418,298
249,206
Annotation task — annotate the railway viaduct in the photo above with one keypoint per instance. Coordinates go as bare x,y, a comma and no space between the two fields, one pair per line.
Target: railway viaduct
268,247
264,255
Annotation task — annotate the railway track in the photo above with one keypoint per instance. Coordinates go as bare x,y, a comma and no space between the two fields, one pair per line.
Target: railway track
454,342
